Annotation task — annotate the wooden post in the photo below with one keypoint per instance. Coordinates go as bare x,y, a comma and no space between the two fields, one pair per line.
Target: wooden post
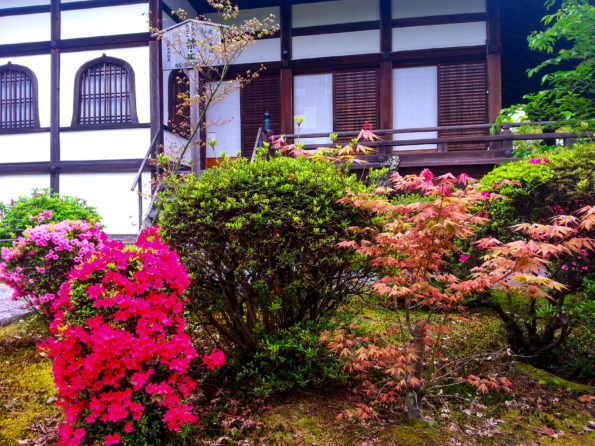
494,64
194,78
55,97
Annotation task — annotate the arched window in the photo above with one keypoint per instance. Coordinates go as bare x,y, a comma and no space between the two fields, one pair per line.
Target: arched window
179,109
18,97
104,93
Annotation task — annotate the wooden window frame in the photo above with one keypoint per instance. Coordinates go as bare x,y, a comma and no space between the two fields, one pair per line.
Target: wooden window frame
172,106
34,96
78,78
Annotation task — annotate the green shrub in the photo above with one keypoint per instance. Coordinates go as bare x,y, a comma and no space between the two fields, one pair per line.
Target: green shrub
291,358
14,217
561,186
260,242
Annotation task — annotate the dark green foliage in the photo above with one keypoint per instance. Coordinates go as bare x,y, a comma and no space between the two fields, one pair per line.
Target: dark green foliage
568,92
14,216
291,358
561,186
260,242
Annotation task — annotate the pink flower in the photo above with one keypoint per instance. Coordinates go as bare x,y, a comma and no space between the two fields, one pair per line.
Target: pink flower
463,258
112,439
564,267
128,427
535,161
485,194
584,268
215,359
40,270
546,161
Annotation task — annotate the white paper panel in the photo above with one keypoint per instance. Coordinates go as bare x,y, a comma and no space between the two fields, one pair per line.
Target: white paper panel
25,147
313,101
41,67
425,8
104,144
327,13
339,44
224,125
265,50
25,28
15,186
138,58
415,103
439,36
105,21
110,193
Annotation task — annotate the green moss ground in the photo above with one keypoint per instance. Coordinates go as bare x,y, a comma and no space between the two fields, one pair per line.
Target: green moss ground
27,410
541,411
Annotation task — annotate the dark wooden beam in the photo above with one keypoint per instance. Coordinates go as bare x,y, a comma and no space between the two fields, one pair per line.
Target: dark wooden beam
286,98
156,74
494,63
55,96
335,28
90,166
438,20
78,44
66,6
385,90
386,32
170,13
286,31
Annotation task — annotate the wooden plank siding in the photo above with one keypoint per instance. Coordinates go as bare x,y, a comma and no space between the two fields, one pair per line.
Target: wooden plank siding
462,100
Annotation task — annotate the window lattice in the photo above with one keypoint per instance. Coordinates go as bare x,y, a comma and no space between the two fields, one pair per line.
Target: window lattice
106,95
18,105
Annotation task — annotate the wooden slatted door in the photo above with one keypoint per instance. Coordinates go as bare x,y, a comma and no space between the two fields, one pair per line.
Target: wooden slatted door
257,97
355,98
462,100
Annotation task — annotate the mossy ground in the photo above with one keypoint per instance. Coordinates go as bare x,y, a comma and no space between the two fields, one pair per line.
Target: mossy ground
539,412
27,393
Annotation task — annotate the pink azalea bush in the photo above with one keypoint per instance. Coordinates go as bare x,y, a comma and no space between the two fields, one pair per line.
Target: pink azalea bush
38,262
119,349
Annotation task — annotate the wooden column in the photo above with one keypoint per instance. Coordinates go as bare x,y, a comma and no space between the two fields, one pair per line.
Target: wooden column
55,96
286,74
494,67
385,72
156,75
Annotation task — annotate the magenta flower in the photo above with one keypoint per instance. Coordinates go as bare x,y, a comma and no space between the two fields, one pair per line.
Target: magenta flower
112,439
546,161
485,194
463,258
215,359
584,268
564,267
535,161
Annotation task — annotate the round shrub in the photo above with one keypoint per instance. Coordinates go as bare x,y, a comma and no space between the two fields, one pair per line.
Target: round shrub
24,212
119,348
260,243
548,183
38,262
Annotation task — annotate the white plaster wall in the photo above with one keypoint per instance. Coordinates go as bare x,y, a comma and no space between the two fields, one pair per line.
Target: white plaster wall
181,4
425,8
173,146
439,36
327,13
4,4
41,66
110,193
104,144
25,28
246,14
265,50
338,44
415,103
224,125
15,186
138,58
24,147
105,21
